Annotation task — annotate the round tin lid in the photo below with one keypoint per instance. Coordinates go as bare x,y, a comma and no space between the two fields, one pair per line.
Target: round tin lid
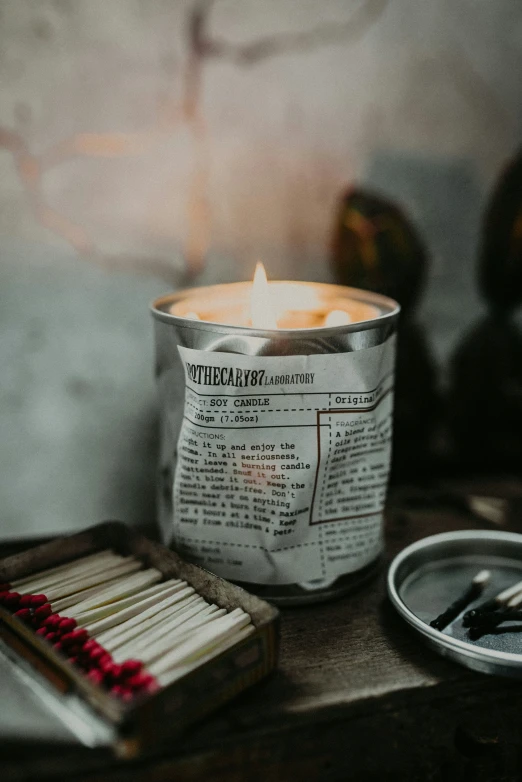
428,576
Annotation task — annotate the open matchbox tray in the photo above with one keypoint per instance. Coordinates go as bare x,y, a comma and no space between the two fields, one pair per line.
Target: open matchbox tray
138,727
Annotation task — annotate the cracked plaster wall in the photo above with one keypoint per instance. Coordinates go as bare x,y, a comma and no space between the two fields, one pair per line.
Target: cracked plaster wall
145,144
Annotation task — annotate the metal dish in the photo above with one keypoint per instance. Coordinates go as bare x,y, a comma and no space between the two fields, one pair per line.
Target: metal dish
429,575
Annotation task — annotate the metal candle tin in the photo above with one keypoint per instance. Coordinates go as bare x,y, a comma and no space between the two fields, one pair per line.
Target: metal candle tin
174,334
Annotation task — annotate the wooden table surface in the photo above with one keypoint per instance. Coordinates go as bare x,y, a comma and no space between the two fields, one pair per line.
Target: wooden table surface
356,696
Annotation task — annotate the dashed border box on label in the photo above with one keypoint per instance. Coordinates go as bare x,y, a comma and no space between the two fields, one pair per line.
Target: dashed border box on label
336,411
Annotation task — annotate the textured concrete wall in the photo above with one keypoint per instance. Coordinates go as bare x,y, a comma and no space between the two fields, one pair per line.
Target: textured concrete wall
143,142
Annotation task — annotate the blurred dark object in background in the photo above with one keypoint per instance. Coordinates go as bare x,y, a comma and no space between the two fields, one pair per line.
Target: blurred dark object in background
485,399
376,247
500,263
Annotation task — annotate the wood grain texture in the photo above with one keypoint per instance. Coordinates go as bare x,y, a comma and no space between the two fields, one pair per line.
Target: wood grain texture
356,696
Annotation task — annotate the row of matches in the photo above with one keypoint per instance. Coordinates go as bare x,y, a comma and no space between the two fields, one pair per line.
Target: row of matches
488,615
124,626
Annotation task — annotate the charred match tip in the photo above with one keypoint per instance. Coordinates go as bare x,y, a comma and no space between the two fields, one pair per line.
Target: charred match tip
508,596
476,588
490,606
493,619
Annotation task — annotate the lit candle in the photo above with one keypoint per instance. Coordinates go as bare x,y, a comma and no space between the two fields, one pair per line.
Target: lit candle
275,305
276,420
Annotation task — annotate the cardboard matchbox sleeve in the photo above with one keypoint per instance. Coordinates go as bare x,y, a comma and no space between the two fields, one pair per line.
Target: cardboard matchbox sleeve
153,719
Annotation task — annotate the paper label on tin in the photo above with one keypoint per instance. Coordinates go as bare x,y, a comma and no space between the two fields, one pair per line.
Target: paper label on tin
282,463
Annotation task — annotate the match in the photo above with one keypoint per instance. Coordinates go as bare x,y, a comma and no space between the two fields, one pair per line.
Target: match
166,621
125,625
104,599
491,619
477,586
127,585
116,605
493,604
120,635
151,648
216,632
178,671
85,563
139,611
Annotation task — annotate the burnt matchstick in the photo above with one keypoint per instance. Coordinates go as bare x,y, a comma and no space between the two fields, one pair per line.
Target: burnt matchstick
474,590
493,619
491,622
505,597
508,629
489,619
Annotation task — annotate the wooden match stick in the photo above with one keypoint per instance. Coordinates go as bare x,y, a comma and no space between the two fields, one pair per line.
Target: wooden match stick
482,622
487,622
492,605
142,629
118,606
120,617
131,615
105,566
133,629
515,601
475,589
140,642
177,634
178,671
158,648
139,635
67,588
112,591
165,638
84,562
127,584
106,597
203,640
105,617
120,635
491,619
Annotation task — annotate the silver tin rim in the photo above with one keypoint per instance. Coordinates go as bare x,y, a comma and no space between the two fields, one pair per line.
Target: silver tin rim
477,658
388,308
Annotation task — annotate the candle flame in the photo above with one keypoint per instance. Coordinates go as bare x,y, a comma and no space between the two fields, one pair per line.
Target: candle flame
263,315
